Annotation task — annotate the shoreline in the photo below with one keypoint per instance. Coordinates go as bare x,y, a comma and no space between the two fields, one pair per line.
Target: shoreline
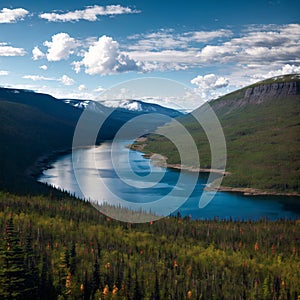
45,162
251,191
160,160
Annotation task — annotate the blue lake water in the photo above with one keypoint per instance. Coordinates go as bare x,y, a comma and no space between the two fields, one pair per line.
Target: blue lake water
133,179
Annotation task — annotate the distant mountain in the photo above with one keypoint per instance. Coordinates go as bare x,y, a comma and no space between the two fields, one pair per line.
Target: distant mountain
261,124
35,126
136,106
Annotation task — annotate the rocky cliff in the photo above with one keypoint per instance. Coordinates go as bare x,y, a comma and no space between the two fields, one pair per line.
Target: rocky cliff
259,93
262,92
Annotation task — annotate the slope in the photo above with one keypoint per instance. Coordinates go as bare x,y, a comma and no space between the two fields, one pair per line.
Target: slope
262,130
31,125
36,127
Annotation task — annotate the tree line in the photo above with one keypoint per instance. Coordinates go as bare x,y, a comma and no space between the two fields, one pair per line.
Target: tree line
63,248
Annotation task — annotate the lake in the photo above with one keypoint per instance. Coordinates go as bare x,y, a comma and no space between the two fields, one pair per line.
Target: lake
130,180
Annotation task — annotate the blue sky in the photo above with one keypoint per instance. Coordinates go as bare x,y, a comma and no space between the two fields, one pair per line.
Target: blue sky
79,48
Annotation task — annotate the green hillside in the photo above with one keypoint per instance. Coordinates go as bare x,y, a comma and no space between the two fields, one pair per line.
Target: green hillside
261,124
66,249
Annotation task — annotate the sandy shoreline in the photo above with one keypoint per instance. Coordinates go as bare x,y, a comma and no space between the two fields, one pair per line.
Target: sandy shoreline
160,160
251,191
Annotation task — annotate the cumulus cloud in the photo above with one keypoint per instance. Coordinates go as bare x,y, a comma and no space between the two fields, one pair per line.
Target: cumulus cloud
90,13
284,70
12,15
104,57
6,50
66,80
37,53
210,81
208,86
82,87
254,49
61,47
44,67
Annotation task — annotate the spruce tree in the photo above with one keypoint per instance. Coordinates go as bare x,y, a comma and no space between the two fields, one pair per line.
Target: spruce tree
12,271
156,287
32,274
96,278
46,289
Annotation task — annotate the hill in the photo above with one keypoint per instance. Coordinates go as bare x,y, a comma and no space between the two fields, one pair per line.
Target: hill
31,125
64,248
262,131
36,127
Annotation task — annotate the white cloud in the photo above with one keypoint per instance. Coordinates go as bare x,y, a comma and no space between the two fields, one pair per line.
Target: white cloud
168,40
90,13
99,89
65,93
66,80
37,53
165,60
38,78
208,86
284,70
82,87
12,15
61,46
206,36
4,73
6,50
57,92
279,43
260,45
104,57
257,50
210,81
44,67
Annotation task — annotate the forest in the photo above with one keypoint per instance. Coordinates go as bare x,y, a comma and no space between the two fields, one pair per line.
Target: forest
59,247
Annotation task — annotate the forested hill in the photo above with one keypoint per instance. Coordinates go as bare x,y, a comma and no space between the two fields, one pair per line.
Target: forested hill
34,126
31,125
262,131
66,249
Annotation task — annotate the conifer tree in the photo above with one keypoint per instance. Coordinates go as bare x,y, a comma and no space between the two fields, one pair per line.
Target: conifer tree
156,288
32,274
96,278
12,271
137,292
46,289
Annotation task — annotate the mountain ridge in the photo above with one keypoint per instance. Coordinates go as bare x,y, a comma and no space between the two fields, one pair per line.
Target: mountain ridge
260,92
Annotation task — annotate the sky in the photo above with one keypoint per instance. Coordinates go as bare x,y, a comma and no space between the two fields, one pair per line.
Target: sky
78,49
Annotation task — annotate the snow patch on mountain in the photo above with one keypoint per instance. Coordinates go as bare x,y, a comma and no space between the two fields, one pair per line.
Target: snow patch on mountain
132,105
79,104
